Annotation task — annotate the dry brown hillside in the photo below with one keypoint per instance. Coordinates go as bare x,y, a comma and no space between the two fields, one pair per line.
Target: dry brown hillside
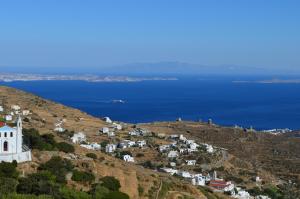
132,177
243,154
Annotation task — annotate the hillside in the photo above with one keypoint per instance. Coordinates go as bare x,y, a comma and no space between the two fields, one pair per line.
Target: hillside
240,156
46,113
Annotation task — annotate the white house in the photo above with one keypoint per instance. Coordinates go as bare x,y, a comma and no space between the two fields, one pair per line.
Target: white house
183,150
92,146
110,148
1,109
128,158
198,180
185,174
107,120
11,144
59,129
173,154
117,126
182,138
170,170
241,194
163,148
189,142
209,148
134,133
15,107
262,197
25,112
111,134
141,143
193,146
8,118
78,137
190,162
105,130
126,143
173,164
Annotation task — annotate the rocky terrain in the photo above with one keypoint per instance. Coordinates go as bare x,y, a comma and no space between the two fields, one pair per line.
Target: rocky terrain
243,154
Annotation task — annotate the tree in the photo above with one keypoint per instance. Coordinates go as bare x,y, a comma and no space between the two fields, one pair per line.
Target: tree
58,167
116,195
82,176
98,191
65,147
110,183
91,155
38,183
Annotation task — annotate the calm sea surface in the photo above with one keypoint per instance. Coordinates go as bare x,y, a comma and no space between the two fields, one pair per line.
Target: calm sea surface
262,106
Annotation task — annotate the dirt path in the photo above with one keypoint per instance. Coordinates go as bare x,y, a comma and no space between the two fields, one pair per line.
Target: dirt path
159,189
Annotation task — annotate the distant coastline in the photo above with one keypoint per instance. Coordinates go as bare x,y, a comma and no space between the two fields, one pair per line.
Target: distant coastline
11,77
272,81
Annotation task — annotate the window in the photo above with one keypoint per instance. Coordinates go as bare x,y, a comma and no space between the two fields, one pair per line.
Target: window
5,146
11,134
5,134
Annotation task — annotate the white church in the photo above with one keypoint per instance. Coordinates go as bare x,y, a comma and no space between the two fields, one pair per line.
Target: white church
11,144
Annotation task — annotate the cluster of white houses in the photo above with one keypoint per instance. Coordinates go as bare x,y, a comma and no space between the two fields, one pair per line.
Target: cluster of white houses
12,147
15,110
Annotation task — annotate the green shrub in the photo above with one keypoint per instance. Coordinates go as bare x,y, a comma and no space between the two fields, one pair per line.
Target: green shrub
273,192
140,155
110,183
67,193
36,141
82,176
116,195
8,170
58,167
37,184
99,191
7,185
65,147
25,196
91,155
140,190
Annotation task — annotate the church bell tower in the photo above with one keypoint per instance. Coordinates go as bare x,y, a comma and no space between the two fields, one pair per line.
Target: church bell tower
19,135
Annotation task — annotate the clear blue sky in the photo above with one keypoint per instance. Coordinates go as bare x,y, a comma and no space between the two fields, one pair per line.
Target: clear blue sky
97,33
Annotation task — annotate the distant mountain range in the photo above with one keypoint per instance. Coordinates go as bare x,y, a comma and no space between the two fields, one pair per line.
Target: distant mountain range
152,68
181,68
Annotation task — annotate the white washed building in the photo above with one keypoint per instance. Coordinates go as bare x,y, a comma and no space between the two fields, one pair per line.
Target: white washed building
110,148
191,162
128,158
198,180
11,144
78,137
105,130
107,120
173,154
8,117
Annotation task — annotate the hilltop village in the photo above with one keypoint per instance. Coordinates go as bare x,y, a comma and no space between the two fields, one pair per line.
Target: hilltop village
179,154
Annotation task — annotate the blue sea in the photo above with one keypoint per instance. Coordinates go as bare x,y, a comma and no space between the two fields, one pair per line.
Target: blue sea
263,106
